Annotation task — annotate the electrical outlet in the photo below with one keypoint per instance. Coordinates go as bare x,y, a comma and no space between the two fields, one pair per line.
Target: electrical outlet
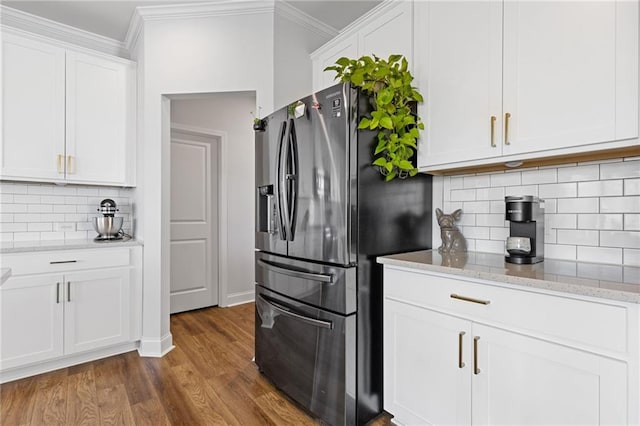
64,227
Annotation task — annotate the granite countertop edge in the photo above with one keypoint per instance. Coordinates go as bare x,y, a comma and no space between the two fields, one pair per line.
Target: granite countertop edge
503,278
32,246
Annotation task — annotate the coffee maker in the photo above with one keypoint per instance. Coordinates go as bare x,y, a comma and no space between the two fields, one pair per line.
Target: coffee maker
525,243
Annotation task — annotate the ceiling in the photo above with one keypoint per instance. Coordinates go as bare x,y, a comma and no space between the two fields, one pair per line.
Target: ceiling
110,18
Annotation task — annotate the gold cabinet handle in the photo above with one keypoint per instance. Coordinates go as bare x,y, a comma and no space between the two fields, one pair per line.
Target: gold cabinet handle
470,299
507,116
70,168
476,370
460,363
493,131
60,169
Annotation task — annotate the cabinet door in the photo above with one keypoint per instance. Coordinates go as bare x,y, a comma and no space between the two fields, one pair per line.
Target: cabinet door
424,382
97,309
347,47
31,311
32,110
98,109
460,78
570,73
390,33
526,381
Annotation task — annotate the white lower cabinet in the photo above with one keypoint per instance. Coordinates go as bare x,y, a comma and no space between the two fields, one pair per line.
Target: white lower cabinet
58,319
457,362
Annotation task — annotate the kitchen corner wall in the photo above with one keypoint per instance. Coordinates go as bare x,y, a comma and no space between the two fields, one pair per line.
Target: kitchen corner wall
32,212
592,210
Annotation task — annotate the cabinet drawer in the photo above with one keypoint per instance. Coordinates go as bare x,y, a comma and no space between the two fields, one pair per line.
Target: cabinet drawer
593,324
65,260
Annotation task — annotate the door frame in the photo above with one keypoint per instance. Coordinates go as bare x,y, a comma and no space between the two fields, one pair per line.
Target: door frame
221,171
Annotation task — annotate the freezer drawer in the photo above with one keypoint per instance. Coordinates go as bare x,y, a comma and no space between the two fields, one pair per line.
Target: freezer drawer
327,287
309,354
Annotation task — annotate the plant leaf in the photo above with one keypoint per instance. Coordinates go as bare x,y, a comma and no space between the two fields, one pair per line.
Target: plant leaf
343,61
382,162
364,123
389,167
386,123
405,165
390,176
394,58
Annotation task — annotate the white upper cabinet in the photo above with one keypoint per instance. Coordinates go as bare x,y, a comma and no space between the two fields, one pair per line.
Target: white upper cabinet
386,30
67,116
559,78
33,84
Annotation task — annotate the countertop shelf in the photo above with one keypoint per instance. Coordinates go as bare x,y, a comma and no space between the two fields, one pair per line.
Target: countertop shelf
613,282
27,246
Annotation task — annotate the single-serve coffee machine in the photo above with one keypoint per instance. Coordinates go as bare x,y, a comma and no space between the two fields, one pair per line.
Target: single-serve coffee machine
525,243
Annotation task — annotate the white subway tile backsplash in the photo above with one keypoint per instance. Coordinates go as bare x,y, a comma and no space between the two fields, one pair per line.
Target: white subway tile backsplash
624,239
559,251
626,169
38,227
565,221
577,237
521,190
476,181
483,194
40,208
456,182
539,176
632,187
550,235
498,233
490,246
632,222
599,254
463,195
467,220
476,206
476,232
631,257
629,204
600,188
578,205
490,219
550,206
497,207
505,179
35,211
600,221
578,173
558,190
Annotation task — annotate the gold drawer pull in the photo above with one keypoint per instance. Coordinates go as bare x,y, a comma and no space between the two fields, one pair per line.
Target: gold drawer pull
60,170
476,370
460,363
493,131
470,299
70,165
507,116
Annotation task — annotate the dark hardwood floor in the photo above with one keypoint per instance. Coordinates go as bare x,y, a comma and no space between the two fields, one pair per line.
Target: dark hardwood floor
208,379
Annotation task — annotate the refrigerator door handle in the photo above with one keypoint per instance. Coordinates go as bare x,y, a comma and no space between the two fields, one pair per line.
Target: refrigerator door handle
283,182
279,185
293,179
297,273
311,321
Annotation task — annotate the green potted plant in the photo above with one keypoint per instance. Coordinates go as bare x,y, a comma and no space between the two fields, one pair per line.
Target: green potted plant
258,123
388,83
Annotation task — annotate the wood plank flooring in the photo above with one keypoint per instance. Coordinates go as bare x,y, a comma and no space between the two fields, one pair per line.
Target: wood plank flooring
208,379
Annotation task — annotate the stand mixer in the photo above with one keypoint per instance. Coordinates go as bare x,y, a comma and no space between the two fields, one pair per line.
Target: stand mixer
108,226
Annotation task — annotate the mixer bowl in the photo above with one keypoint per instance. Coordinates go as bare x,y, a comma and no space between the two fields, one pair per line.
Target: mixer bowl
107,226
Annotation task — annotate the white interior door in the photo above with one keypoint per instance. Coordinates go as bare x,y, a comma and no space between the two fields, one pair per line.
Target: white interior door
194,221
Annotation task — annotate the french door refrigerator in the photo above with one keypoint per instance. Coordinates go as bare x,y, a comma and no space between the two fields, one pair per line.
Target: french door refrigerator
323,214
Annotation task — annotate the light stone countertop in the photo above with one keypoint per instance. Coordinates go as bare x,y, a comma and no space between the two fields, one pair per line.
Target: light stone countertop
5,273
27,246
613,282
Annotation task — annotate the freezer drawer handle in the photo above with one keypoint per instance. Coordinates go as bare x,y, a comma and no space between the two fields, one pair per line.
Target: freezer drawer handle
58,262
311,321
294,272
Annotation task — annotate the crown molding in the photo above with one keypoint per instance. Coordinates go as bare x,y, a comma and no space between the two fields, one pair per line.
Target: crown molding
45,27
312,24
204,10
134,31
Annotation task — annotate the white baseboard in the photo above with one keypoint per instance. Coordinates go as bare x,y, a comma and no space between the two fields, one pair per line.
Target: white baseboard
63,362
234,299
156,348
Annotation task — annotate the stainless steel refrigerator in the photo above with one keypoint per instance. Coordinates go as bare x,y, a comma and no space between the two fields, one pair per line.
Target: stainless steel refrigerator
323,214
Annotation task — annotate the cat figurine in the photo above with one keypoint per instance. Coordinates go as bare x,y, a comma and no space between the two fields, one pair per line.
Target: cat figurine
452,238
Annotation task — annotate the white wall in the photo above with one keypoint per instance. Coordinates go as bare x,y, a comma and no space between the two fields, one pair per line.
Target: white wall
230,113
592,210
293,71
196,55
